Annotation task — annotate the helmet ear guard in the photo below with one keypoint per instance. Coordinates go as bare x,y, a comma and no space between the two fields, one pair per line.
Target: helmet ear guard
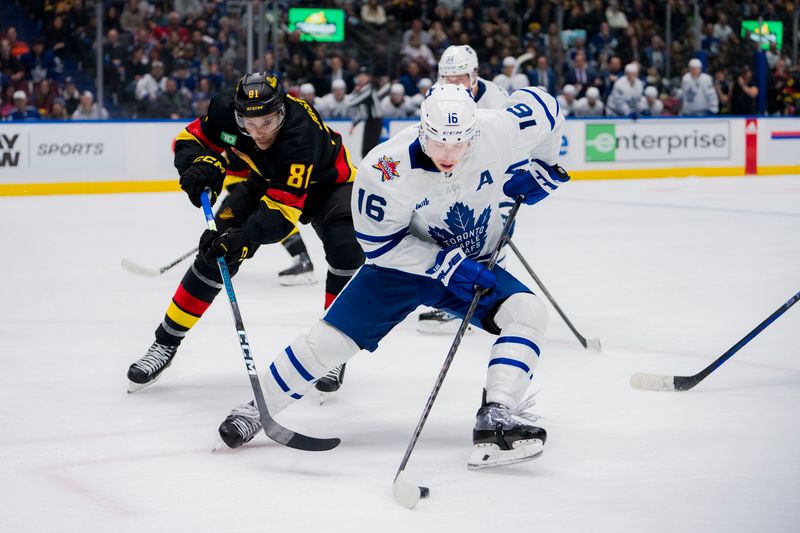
258,94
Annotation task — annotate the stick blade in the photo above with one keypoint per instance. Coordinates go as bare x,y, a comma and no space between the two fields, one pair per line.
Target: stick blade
407,494
594,345
139,270
656,382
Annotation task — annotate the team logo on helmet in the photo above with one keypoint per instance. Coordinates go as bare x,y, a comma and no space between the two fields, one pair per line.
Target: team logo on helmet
388,167
272,81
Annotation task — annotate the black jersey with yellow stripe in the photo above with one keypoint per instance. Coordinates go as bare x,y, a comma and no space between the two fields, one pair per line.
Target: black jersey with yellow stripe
306,153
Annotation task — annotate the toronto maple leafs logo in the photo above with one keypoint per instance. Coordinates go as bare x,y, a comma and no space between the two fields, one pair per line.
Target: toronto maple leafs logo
463,230
388,167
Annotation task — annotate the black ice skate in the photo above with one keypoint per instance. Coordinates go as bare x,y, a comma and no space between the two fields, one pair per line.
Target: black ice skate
241,425
300,273
146,370
501,436
438,322
330,382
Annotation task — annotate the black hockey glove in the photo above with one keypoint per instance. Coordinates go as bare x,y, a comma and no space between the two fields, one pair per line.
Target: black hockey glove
233,245
207,170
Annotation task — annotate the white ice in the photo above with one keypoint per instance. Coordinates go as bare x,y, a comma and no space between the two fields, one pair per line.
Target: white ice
667,273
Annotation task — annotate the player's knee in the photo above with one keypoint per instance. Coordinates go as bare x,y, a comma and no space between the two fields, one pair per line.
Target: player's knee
328,347
524,309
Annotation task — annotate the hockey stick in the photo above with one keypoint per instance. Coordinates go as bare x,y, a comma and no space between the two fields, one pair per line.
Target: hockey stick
646,381
589,344
273,430
406,493
140,270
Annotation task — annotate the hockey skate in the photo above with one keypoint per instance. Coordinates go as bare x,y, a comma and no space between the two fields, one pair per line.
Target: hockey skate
300,273
330,382
504,436
146,370
438,322
241,425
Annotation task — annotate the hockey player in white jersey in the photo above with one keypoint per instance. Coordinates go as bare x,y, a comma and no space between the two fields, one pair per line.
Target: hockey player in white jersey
590,105
698,95
397,104
459,65
426,209
335,104
626,93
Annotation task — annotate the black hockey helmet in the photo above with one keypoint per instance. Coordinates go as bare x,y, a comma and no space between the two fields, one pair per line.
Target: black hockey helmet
258,94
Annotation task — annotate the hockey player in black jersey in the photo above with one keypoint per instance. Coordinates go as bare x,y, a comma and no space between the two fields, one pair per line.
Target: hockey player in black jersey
299,172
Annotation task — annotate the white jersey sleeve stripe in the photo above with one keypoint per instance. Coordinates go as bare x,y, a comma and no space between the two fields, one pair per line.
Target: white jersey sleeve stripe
388,242
546,110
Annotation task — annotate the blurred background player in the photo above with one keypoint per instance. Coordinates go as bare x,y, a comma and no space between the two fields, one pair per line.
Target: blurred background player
626,93
397,105
459,66
335,104
590,105
413,259
566,100
299,172
509,79
650,105
698,94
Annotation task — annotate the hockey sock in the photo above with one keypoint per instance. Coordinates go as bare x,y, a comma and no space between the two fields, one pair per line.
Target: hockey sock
198,288
309,357
513,361
294,244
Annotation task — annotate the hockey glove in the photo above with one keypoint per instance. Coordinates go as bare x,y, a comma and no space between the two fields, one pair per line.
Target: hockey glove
536,183
460,274
233,245
207,170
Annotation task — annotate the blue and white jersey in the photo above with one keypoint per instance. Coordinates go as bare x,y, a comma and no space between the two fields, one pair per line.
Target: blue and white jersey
405,210
489,95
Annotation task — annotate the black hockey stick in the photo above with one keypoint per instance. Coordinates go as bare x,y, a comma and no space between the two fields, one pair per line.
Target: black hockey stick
589,344
407,494
641,380
275,431
140,270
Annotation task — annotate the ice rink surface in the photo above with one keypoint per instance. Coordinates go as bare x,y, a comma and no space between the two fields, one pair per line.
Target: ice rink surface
667,273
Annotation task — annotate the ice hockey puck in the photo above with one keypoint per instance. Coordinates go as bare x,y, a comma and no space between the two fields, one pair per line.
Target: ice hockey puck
424,492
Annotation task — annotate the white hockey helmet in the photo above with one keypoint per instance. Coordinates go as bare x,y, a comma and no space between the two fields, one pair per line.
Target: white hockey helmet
457,60
448,116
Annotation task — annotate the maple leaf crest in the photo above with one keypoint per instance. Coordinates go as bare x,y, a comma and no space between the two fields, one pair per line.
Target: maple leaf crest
462,229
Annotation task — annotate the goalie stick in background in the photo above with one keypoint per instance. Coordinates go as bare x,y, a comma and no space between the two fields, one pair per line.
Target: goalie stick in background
299,172
426,209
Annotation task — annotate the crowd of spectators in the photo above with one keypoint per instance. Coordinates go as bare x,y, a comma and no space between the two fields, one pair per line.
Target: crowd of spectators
166,59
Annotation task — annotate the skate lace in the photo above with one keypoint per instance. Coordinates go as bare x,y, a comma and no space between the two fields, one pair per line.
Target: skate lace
156,357
522,412
246,419
334,373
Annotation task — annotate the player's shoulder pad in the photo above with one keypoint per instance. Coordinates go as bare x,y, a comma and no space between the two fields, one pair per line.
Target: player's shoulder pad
539,100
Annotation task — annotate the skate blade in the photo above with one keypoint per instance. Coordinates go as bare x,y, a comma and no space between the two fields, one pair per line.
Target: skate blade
136,387
306,278
490,455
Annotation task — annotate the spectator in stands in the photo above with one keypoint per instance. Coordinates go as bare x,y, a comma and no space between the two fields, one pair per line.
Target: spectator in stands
202,97
59,110
39,63
43,96
650,105
338,72
21,109
590,105
88,109
543,76
115,56
422,89
150,86
615,18
132,17
18,48
416,30
71,95
655,55
419,52
603,43
183,77
627,92
566,100
172,103
611,74
744,94
7,102
411,78
710,43
57,37
309,94
723,87
335,104
698,94
509,79
397,105
722,30
373,13
580,75
11,70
